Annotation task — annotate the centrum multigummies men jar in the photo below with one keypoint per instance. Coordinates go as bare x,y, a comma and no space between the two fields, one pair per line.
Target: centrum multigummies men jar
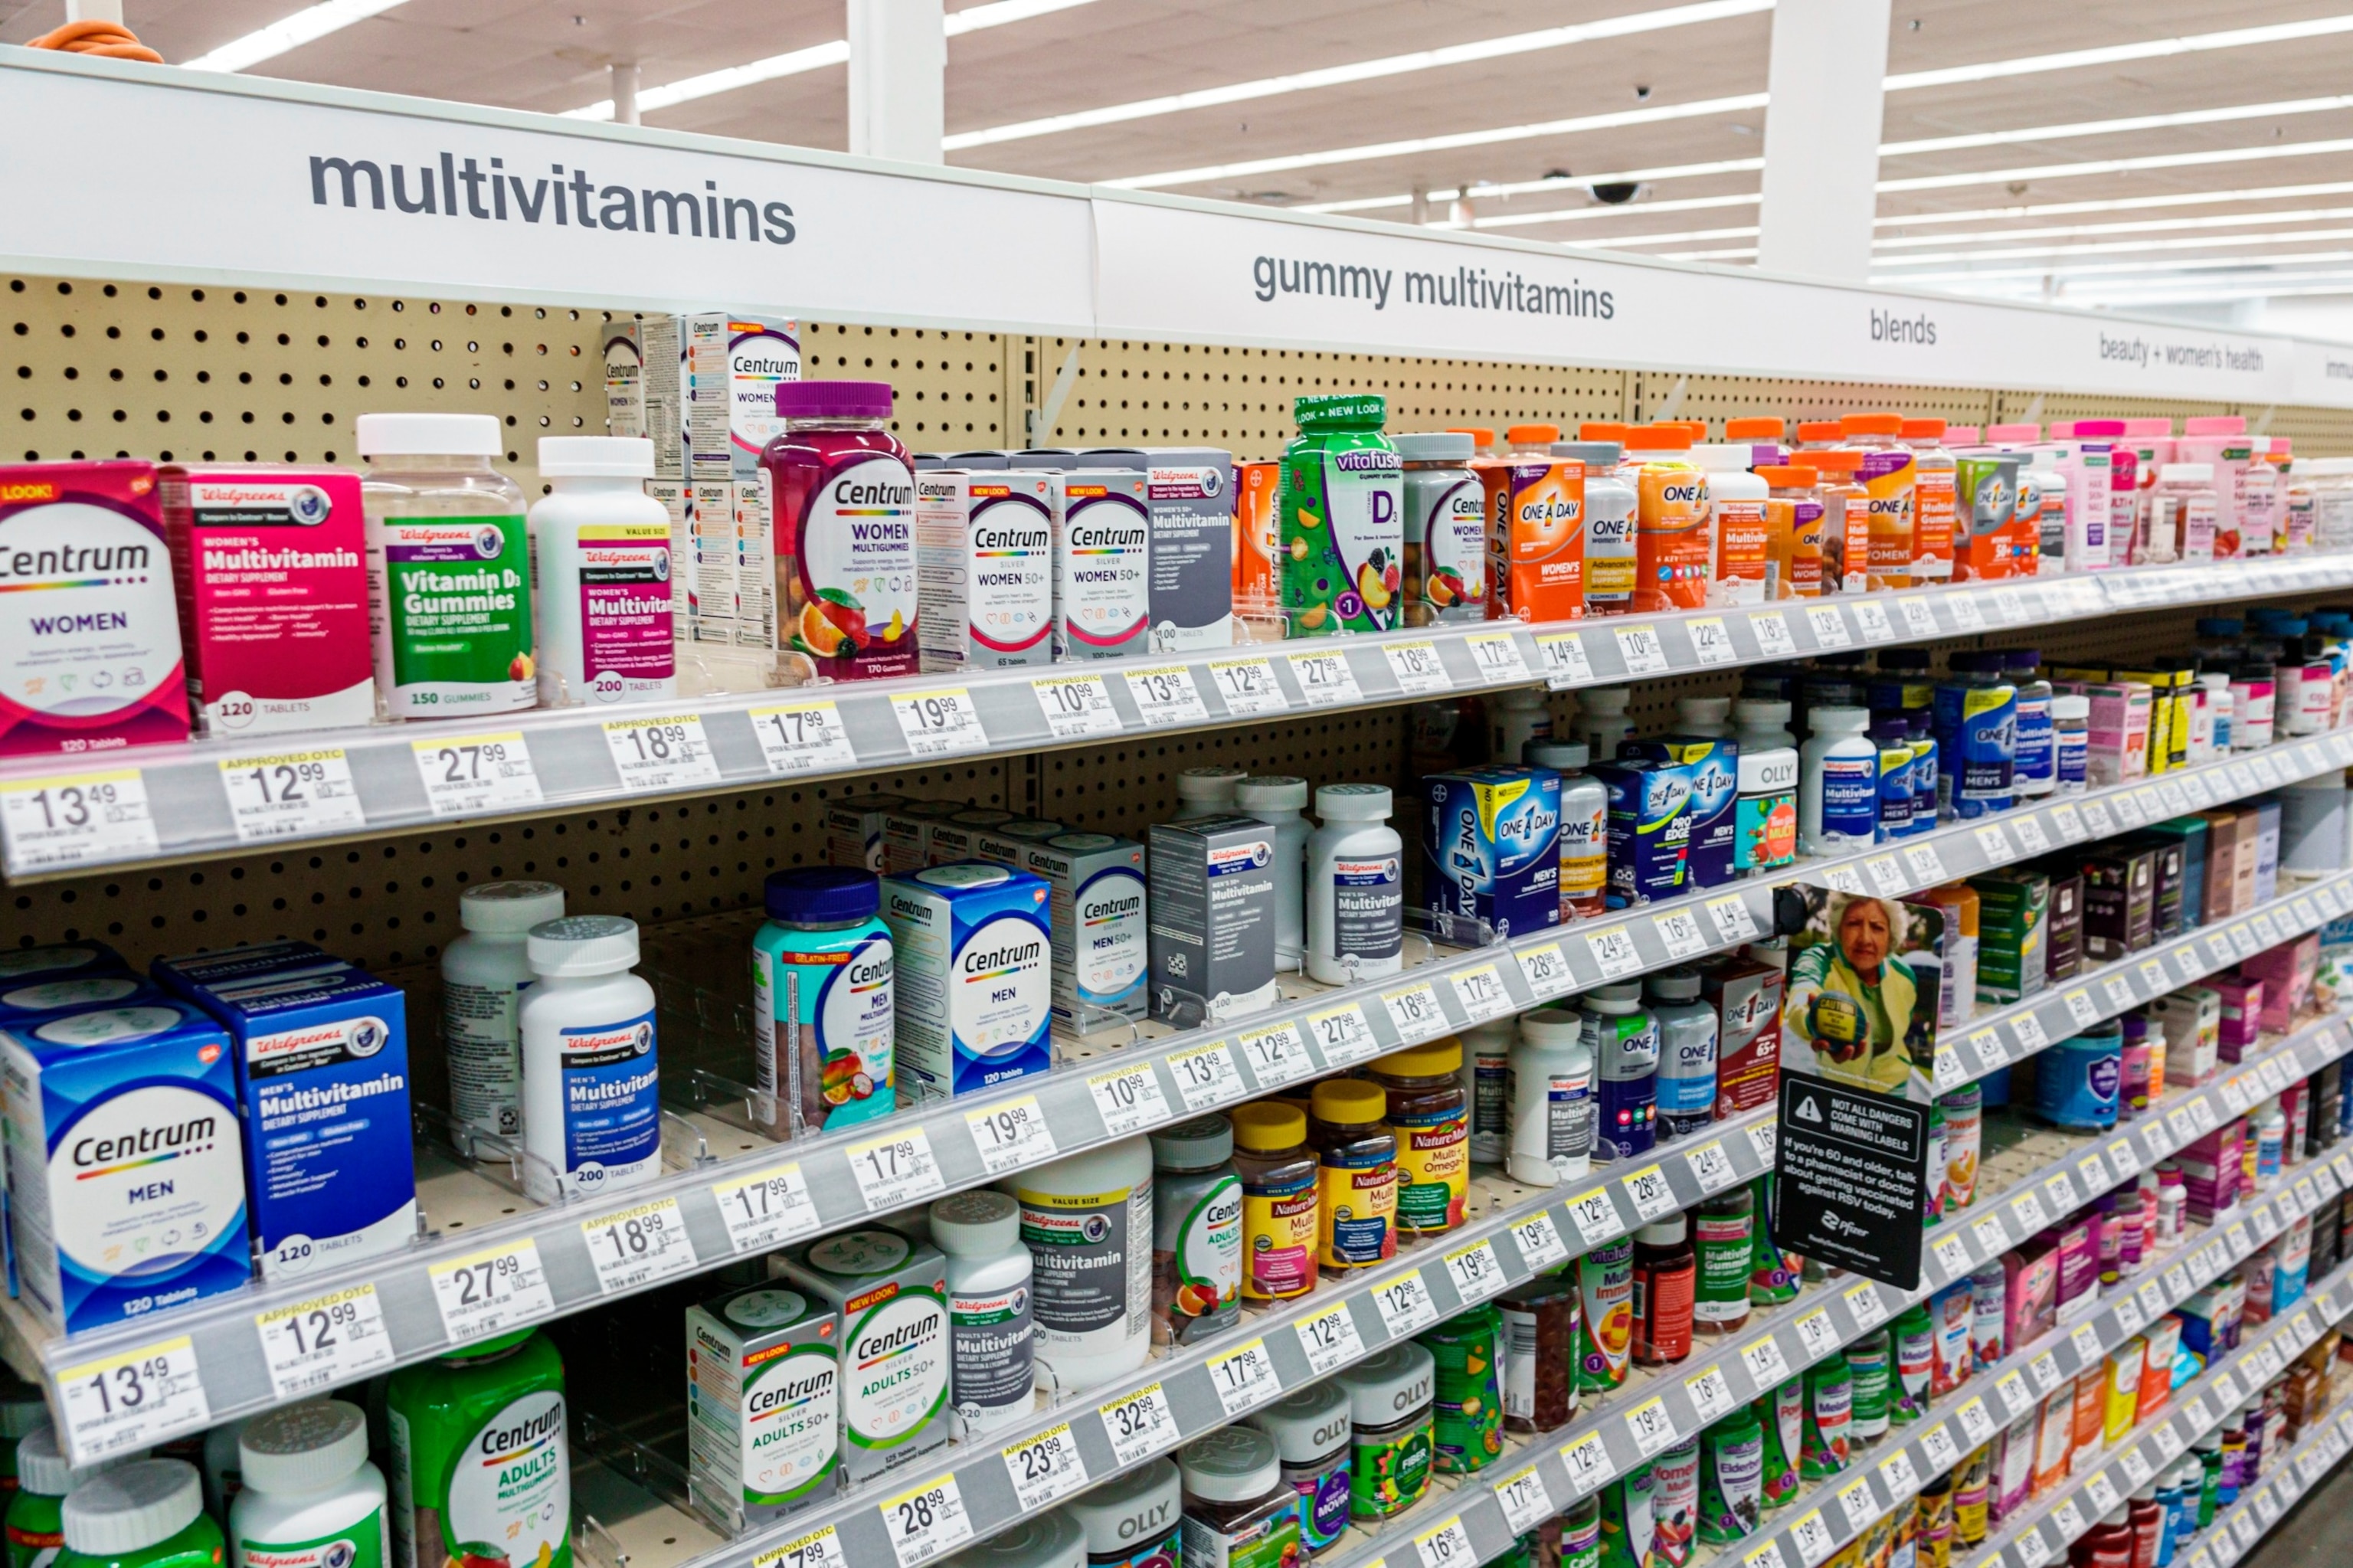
841,494
1343,519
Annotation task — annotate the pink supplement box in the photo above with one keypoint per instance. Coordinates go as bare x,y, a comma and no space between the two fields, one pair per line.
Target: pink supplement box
2211,1167
90,633
2117,736
2029,1290
273,593
2243,1013
2287,972
2075,1246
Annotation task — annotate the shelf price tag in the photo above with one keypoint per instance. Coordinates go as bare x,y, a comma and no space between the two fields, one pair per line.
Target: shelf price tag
133,1400
1206,1076
1138,1425
1597,1217
1613,951
1856,1502
1812,1536
292,794
766,1209
2136,1466
1524,1499
77,820
1872,615
941,723
1589,1462
1864,1301
1895,1473
1415,1011
1952,1255
477,774
1330,1340
1277,1055
820,1548
1539,1241
312,1346
1546,969
2031,835
1885,875
1768,1555
1418,668
1127,1100
2103,1492
2028,1207
927,1523
2118,990
2068,1517
892,1172
1967,615
1711,640
1765,1139
487,1292
1498,658
2014,1393
656,754
1711,1394
1920,620
1639,647
1447,1546
1345,1034
1325,678
1977,1421
1165,694
1244,1377
1679,930
1942,1451
1649,1192
1011,1135
1828,626
1076,706
1650,1426
1405,1304
1481,992
1995,843
1766,1366
1927,865
1475,1270
1248,686
1711,1166
1564,663
1731,918
637,1245
1817,1334
1045,1469
803,738
1772,629
2044,1369
2031,1036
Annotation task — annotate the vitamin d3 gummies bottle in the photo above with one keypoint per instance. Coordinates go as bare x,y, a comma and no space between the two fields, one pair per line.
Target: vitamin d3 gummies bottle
310,1500
448,567
591,1111
841,504
150,1514
1343,519
502,1398
606,620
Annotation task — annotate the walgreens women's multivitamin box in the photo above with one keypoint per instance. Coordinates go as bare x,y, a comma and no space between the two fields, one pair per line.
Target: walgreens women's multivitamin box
271,565
89,634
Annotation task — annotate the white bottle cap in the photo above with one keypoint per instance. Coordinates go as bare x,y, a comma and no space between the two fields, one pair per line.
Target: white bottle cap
2186,473
136,1507
42,1470
303,1447
1352,803
1609,700
580,946
1838,720
1552,1027
1717,459
1209,786
596,457
978,1224
1755,713
1703,710
412,434
2071,705
1270,792
509,908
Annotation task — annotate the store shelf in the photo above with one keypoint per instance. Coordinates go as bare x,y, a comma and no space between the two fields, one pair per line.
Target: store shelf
2071,1173
2237,1529
169,803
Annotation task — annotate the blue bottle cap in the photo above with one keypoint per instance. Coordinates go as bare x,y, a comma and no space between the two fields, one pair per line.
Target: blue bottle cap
1974,663
2021,658
825,893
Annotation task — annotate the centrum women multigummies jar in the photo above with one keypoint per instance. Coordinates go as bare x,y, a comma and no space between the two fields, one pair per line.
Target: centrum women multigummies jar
1342,524
843,522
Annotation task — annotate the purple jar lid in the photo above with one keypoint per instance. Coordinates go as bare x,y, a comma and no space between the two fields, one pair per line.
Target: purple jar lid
833,399
821,895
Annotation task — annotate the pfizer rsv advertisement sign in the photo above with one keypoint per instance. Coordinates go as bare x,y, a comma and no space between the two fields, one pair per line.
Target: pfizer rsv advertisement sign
1852,1179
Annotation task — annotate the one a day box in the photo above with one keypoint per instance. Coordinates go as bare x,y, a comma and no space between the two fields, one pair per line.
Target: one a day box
90,628
270,565
322,1081
1490,846
973,955
126,1165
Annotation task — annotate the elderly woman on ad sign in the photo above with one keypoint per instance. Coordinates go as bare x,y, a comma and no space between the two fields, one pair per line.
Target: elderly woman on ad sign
1856,999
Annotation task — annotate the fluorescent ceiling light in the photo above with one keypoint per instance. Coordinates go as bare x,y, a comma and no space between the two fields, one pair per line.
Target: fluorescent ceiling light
1744,253
2119,204
2117,127
2115,248
816,56
310,23
1622,241
2118,270
2119,165
2139,226
1527,188
1576,215
1362,70
2114,53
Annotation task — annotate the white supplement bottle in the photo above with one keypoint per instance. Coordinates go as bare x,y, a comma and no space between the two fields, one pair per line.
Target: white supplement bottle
1486,1087
1838,782
1355,886
1552,1098
42,1472
1206,792
992,1340
1282,804
311,1499
1516,717
592,1113
1761,724
450,571
1584,827
605,572
1601,722
1087,1222
1709,716
484,974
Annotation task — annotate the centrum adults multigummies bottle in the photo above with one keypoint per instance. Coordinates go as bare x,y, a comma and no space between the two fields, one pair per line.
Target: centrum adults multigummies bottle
841,494
1343,519
500,1399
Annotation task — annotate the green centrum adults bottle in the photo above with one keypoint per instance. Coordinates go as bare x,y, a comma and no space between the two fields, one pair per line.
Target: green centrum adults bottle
481,1474
37,1529
150,1514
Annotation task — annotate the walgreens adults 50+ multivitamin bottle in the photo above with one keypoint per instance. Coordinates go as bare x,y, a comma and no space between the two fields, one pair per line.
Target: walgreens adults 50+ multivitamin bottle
841,493
604,567
592,1115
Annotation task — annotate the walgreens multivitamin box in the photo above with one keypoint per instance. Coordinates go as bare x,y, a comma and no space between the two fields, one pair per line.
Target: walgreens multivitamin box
90,628
323,1078
271,570
1190,493
973,952
983,568
126,1166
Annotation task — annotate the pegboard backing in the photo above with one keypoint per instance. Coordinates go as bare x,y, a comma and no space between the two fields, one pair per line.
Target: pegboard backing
1126,786
1655,395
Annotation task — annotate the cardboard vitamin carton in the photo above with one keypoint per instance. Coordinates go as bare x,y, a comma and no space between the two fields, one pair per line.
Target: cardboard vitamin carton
763,1402
983,568
1189,492
1210,890
1491,847
890,1293
1256,539
1535,537
270,565
973,950
126,1162
90,626
1102,935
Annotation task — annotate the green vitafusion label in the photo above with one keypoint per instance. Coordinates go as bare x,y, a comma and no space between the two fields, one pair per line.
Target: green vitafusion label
452,612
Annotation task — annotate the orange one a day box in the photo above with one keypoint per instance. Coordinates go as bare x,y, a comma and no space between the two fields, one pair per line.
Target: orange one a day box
1256,485
1535,538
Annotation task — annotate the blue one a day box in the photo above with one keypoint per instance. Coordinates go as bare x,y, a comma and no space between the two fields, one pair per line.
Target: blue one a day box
126,1168
1650,828
1491,847
972,944
322,1080
1715,770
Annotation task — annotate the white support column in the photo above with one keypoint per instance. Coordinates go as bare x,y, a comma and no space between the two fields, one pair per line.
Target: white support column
898,64
94,11
1821,137
625,93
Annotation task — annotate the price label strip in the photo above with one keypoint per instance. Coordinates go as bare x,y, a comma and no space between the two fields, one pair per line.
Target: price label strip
1045,1469
1076,706
477,775
1330,1340
940,724
660,754
1564,663
1206,1076
803,738
312,1346
1326,679
1128,1099
1405,1304
1498,658
1418,670
79,819
1166,695
133,1400
766,1209
638,1245
1481,992
1345,1034
892,1172
1138,1425
1011,1135
927,1523
490,1291
292,794
1248,686
1244,1377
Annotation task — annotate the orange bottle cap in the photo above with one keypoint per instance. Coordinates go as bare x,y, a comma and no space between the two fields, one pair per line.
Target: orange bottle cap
1924,429
1601,431
1532,435
1658,438
1797,476
1872,424
1834,463
1820,429
1485,437
1753,428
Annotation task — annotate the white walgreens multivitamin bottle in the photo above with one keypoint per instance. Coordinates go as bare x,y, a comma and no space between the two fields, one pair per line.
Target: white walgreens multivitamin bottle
591,1116
1355,886
311,1499
484,974
604,593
